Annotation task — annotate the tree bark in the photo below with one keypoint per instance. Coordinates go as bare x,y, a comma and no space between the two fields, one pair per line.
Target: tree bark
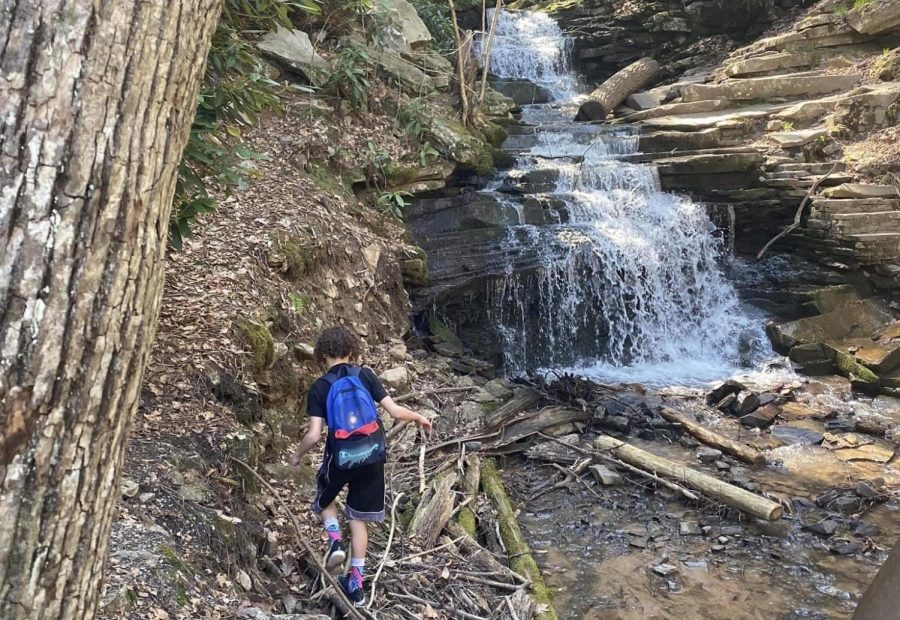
712,438
616,89
96,101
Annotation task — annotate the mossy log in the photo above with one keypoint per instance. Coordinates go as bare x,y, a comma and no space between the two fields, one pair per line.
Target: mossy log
616,89
469,489
745,501
712,438
520,557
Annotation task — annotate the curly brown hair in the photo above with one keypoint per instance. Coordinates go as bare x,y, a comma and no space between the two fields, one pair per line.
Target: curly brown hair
336,342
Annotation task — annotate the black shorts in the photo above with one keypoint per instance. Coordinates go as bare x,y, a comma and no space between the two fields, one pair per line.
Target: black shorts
365,497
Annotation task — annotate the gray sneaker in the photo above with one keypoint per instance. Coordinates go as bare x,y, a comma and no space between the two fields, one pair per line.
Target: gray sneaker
336,555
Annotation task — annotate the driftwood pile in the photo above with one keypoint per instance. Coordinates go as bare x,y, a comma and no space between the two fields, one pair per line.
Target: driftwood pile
452,547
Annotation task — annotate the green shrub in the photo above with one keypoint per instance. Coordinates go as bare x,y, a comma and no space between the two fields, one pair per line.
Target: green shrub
392,203
436,16
348,78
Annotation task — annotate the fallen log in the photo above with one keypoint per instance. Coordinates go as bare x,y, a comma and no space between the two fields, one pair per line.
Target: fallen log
481,556
469,489
536,422
520,558
522,399
434,510
729,494
714,439
616,89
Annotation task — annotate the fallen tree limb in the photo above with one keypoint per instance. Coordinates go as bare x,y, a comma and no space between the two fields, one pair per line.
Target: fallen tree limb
714,439
343,602
616,89
434,511
522,399
480,555
743,500
387,548
469,489
520,558
537,422
456,612
636,470
799,214
446,390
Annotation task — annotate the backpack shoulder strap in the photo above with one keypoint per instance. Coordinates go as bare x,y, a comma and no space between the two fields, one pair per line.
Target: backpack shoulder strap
330,377
354,371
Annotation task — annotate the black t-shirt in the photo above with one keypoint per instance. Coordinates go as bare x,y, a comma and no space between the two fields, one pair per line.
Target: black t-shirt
318,391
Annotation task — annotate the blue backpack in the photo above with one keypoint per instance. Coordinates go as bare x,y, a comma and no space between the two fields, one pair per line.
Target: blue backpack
355,433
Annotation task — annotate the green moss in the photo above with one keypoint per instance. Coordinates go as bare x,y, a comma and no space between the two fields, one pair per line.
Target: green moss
295,251
520,558
467,520
848,366
174,559
495,134
258,339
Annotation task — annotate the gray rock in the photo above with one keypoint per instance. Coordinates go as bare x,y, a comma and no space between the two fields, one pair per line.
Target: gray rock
482,396
396,378
499,388
618,423
469,412
732,530
129,488
797,435
664,569
700,564
689,528
643,101
847,547
398,352
294,49
708,455
522,92
825,527
605,476
409,31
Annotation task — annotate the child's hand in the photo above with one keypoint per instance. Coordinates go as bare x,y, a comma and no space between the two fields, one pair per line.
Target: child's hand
423,422
296,455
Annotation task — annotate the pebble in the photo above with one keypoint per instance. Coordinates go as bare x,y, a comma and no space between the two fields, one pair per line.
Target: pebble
472,446
482,396
701,564
732,530
146,497
398,352
832,591
722,465
395,377
129,488
723,540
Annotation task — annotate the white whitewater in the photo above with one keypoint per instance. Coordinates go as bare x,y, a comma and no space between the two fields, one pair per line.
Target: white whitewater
630,285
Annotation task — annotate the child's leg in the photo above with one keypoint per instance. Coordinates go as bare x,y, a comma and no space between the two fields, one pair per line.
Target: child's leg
359,539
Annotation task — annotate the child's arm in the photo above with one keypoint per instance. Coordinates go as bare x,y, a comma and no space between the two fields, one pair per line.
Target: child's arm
312,437
399,412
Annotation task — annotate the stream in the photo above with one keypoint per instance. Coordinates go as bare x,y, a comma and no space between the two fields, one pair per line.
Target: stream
631,289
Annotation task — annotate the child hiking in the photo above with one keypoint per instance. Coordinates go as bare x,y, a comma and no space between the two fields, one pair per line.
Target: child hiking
355,450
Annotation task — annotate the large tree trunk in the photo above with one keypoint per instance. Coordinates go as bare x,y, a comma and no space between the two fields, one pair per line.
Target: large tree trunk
616,89
96,101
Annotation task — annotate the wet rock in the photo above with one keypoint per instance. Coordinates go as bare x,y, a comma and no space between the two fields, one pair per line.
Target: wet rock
725,405
846,504
605,476
865,530
689,528
834,592
826,527
723,465
723,540
732,530
708,455
847,548
472,446
522,92
749,404
396,378
469,412
797,435
696,564
727,388
761,418
616,423
145,498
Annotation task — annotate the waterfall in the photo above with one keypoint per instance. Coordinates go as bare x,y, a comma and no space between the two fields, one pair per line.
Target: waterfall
629,283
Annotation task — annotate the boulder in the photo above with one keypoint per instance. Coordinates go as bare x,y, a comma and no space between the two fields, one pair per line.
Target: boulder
797,139
522,92
856,319
396,378
409,78
499,388
643,101
865,109
860,190
293,49
409,32
877,17
456,142
791,85
497,104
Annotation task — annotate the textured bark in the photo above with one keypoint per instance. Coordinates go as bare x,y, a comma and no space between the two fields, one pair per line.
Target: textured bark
616,89
96,100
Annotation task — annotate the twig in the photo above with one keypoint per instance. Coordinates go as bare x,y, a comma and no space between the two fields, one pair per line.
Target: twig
799,215
512,610
429,551
387,549
489,582
415,599
460,66
349,609
487,52
637,470
455,442
422,463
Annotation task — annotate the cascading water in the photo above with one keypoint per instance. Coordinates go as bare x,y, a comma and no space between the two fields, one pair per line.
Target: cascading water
629,284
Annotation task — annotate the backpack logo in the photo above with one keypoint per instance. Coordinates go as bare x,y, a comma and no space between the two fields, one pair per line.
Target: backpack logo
354,429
